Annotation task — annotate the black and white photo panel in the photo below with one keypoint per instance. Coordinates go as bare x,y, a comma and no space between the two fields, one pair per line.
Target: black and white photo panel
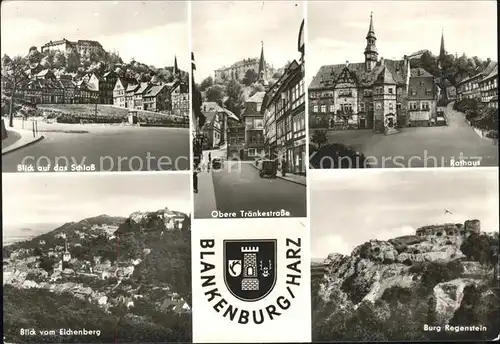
95,86
407,255
415,90
249,132
96,258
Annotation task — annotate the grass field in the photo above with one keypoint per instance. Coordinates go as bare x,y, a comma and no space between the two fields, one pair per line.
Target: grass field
103,110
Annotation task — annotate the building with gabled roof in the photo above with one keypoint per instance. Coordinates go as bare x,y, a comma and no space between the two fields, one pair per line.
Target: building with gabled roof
373,94
156,98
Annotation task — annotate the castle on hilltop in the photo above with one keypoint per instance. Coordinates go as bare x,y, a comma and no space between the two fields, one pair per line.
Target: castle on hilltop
451,229
83,47
237,71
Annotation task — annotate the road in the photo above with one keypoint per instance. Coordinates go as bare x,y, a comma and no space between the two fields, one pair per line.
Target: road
242,188
423,146
107,148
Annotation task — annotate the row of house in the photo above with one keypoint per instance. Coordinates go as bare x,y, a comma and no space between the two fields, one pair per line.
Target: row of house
482,86
44,87
152,96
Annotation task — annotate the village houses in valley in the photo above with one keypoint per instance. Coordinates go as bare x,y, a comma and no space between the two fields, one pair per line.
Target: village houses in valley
46,85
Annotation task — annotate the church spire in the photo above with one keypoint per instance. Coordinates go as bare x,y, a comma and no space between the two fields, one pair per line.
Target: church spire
262,64
176,69
442,51
371,53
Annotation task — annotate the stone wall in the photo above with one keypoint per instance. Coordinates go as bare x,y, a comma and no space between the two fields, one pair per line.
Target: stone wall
451,229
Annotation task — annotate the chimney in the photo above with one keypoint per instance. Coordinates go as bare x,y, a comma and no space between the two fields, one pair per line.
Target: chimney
381,62
346,64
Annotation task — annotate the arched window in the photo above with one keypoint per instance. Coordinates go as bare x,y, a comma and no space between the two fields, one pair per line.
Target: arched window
250,270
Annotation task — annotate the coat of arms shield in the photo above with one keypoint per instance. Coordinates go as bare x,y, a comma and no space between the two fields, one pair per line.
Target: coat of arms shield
250,268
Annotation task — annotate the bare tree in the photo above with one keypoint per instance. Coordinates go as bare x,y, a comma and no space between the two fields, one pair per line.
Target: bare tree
13,75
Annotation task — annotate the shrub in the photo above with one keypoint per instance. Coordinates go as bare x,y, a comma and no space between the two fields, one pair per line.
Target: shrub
337,155
492,134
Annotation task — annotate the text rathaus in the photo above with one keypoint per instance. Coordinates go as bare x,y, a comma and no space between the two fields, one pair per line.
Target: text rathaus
379,94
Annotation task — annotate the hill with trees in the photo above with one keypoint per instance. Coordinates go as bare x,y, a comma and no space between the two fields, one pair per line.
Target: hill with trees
454,68
165,264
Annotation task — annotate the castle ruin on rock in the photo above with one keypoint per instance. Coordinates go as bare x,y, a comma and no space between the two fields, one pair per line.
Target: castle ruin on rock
451,229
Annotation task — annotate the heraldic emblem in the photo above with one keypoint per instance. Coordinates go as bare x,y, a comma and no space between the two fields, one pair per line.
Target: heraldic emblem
250,268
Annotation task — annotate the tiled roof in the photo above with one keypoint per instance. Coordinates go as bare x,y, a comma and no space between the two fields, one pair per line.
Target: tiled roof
328,75
65,83
421,86
257,97
493,73
420,72
153,91
143,87
131,88
385,77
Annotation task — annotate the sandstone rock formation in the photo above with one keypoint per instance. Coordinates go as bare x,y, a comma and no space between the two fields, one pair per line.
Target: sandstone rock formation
377,265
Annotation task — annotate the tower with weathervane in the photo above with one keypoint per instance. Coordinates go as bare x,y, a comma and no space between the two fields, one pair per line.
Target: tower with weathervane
371,53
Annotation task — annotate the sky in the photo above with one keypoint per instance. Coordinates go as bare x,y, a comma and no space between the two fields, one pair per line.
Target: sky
349,208
337,29
151,32
64,197
226,32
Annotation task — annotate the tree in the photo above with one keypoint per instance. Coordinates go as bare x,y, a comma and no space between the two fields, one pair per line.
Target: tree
235,101
476,247
214,93
73,62
319,138
256,87
250,77
14,76
206,83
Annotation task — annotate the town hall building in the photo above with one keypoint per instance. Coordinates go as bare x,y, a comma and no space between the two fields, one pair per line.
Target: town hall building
378,94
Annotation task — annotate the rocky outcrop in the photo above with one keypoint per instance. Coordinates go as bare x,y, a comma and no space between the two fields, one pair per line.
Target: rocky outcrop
448,297
378,265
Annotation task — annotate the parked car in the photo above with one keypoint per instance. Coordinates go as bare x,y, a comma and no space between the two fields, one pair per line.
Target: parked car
217,163
268,168
440,120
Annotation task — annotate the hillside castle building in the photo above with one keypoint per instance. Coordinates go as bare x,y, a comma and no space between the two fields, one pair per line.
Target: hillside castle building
83,47
238,70
379,94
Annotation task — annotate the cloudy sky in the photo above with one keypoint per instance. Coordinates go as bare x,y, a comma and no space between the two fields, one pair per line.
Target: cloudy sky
350,207
229,31
337,29
64,197
152,32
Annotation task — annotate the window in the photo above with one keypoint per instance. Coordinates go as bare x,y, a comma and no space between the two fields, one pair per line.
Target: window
421,84
323,108
391,106
332,108
258,107
315,108
425,106
362,107
251,152
391,90
412,105
378,105
398,106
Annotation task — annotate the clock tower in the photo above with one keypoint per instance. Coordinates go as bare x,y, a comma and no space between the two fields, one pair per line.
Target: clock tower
371,53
